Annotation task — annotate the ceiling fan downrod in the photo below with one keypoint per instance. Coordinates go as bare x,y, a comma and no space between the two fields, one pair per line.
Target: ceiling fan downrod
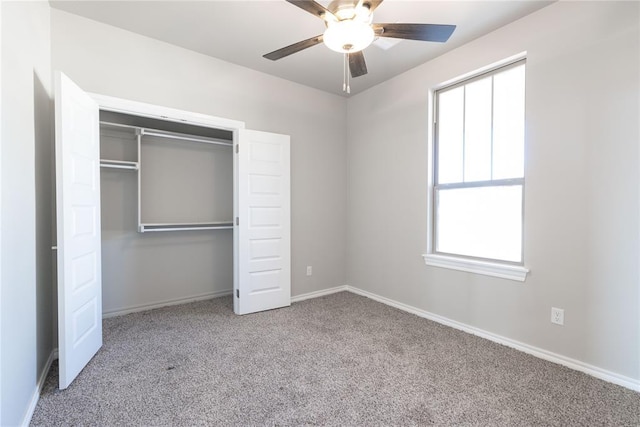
346,87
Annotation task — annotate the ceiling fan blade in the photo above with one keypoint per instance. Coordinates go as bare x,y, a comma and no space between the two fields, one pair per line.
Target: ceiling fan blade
357,65
296,47
313,8
423,32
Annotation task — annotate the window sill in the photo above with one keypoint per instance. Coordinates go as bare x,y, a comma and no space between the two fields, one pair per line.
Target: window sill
504,271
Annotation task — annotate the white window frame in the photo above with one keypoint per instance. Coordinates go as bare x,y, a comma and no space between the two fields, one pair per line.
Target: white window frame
495,268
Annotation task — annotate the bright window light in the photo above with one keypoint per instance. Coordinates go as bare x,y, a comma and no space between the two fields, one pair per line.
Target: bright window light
479,166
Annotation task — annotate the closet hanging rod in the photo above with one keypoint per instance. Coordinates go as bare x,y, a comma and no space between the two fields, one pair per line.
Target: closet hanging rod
118,164
143,228
194,224
181,228
167,134
181,137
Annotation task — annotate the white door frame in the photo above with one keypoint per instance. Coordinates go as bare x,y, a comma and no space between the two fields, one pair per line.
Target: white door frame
125,106
141,109
118,105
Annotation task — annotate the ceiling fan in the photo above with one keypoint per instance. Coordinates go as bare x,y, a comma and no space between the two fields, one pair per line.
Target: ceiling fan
350,30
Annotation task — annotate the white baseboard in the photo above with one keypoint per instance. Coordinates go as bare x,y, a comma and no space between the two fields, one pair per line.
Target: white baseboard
165,303
202,297
577,365
36,393
317,294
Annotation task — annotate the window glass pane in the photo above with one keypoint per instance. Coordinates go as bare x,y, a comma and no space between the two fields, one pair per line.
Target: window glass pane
477,131
450,114
508,124
483,222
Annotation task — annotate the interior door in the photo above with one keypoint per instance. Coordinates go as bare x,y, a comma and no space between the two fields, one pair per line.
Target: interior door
263,222
78,228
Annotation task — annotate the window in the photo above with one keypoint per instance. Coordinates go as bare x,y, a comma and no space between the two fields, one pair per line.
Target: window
478,170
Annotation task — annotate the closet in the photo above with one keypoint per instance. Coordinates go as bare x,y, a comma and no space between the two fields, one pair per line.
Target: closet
156,206
166,212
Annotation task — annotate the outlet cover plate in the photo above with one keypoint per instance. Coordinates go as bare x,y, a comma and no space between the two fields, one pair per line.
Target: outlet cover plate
557,316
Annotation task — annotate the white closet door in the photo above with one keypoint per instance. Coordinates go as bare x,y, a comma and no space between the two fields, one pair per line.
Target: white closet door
78,228
264,222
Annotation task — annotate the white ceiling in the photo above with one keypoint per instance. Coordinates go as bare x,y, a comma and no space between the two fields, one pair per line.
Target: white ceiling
240,32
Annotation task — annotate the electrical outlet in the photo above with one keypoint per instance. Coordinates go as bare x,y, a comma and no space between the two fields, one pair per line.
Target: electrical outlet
557,316
309,270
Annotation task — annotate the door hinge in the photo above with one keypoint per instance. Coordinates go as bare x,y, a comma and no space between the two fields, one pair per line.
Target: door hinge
237,148
237,221
237,293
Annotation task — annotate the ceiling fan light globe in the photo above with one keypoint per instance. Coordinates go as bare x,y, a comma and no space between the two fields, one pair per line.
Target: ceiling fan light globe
348,36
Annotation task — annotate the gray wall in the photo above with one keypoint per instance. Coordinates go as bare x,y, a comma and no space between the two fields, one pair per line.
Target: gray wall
115,62
581,195
26,263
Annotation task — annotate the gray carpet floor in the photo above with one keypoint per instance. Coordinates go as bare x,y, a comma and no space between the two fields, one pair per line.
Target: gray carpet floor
337,360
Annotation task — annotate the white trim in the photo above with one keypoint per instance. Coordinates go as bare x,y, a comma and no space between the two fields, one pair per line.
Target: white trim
36,393
504,271
482,70
165,303
317,294
574,364
119,105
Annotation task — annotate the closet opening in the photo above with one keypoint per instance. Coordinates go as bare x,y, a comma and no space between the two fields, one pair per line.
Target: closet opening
166,212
